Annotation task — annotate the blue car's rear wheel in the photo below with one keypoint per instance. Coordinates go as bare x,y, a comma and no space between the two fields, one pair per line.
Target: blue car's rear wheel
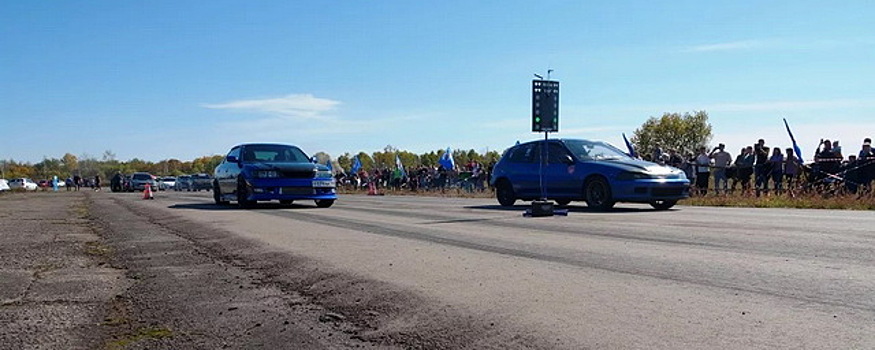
597,192
217,194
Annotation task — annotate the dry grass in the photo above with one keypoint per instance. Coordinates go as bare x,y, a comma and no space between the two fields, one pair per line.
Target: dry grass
803,201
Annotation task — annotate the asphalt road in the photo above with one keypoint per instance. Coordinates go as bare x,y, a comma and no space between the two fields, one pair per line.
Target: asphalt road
446,272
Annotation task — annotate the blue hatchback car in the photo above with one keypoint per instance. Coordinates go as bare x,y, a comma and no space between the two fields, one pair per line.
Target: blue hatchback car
582,170
255,172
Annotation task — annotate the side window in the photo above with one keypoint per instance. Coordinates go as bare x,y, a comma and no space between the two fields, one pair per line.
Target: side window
235,152
521,154
556,153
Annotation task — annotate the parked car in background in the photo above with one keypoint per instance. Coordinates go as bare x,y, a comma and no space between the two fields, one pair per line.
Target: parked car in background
4,185
183,183
140,180
264,171
201,182
166,183
23,183
582,170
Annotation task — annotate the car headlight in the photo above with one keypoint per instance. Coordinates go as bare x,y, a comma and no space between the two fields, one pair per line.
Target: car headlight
322,174
628,176
267,174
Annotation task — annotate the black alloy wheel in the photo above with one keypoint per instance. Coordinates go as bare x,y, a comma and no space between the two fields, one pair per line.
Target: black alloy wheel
243,194
663,204
324,203
504,193
597,192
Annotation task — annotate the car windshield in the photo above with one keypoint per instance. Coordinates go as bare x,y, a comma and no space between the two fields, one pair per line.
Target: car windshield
595,150
273,153
142,177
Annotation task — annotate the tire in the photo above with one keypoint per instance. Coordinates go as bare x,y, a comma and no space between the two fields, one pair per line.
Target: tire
563,202
504,193
217,195
663,204
243,194
324,203
598,196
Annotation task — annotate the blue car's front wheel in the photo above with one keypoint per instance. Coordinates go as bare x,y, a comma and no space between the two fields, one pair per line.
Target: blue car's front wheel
597,193
504,193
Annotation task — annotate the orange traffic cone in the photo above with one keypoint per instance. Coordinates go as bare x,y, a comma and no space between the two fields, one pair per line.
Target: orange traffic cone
147,192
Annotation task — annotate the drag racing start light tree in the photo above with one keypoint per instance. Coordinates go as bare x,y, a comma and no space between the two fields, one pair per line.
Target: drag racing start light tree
545,106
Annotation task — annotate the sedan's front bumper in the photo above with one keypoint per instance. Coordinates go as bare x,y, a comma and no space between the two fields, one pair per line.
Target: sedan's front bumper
291,189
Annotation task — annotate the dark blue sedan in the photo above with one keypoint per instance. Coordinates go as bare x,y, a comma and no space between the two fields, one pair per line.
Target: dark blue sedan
255,172
581,170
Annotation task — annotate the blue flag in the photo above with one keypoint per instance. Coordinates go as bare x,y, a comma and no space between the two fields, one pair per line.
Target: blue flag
795,147
630,147
447,160
356,165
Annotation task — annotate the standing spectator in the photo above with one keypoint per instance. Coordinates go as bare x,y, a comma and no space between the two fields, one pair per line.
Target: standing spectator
722,160
791,171
77,181
703,171
866,159
97,182
836,148
828,162
656,157
68,183
776,165
761,164
675,159
744,168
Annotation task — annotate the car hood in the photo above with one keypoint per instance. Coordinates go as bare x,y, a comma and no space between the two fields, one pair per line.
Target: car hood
643,166
291,167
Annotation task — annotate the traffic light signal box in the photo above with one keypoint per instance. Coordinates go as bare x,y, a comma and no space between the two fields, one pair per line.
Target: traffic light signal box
545,106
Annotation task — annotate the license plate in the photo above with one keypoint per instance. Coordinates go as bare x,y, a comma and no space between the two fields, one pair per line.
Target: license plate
323,183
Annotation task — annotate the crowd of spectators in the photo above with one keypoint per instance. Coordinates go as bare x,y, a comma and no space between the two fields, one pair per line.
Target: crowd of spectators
759,169
470,177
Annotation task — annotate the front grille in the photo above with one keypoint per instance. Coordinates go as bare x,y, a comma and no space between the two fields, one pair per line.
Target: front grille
296,190
297,174
667,192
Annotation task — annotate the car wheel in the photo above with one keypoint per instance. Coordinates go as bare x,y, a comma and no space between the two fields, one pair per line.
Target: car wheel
597,192
217,194
324,203
504,193
663,204
563,202
286,202
243,194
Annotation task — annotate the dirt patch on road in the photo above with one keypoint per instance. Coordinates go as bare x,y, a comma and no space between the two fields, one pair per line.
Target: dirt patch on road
343,309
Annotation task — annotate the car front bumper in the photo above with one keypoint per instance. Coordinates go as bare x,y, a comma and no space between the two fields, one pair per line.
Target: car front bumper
291,189
647,190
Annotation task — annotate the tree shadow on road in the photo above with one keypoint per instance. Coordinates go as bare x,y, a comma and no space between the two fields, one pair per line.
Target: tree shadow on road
571,209
230,207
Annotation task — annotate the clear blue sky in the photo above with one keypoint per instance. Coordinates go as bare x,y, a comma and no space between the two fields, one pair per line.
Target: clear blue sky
183,79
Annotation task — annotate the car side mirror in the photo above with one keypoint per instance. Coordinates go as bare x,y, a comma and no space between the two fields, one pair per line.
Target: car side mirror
232,159
314,160
567,159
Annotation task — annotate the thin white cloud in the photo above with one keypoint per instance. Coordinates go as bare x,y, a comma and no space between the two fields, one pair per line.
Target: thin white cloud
779,106
728,46
295,105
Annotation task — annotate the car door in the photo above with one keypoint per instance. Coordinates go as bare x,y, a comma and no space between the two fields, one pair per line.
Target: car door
560,174
226,173
524,173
